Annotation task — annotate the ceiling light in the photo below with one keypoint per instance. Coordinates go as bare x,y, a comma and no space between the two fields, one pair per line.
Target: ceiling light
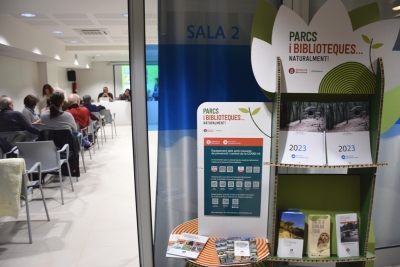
98,55
396,8
58,32
57,57
73,41
125,15
87,66
4,41
28,15
36,51
76,60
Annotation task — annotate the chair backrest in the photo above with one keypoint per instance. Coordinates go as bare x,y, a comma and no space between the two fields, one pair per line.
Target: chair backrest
107,115
40,151
60,138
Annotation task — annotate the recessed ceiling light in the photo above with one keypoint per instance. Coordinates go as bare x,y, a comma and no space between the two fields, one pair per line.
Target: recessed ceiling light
125,15
58,32
73,41
98,55
28,15
396,8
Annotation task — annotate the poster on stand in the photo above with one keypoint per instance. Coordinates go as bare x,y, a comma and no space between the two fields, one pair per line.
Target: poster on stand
347,135
232,176
233,142
301,137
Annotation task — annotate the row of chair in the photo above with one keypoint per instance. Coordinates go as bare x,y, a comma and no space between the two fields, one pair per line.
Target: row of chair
44,156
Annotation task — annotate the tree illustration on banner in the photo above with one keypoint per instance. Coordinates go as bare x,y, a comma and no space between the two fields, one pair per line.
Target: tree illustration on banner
244,110
371,46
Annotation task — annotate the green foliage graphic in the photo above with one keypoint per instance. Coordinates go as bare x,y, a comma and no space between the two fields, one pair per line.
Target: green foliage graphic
371,46
245,110
348,78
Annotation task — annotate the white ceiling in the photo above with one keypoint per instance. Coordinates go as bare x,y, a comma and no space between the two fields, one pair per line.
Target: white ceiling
73,15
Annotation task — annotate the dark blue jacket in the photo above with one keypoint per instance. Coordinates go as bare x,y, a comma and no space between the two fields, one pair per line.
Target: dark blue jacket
11,121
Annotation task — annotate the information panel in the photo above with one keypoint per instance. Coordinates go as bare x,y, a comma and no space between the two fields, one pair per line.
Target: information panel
233,144
232,176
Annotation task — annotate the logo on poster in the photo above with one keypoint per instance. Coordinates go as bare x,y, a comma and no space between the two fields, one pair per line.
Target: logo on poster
293,156
343,157
225,142
291,70
208,142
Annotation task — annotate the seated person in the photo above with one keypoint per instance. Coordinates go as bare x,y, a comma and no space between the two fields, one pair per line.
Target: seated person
11,120
56,119
125,96
81,114
87,102
30,102
106,94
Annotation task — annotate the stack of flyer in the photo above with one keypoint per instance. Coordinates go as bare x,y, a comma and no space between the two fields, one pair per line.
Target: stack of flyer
291,234
347,235
186,245
319,235
236,250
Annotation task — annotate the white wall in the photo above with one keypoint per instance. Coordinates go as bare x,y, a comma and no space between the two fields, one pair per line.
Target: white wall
91,81
18,78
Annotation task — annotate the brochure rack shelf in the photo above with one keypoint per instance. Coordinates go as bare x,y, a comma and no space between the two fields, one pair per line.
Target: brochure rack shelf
333,258
327,167
332,194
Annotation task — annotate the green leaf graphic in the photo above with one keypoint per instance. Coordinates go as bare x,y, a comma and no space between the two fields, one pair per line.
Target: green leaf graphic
244,110
366,39
375,46
255,111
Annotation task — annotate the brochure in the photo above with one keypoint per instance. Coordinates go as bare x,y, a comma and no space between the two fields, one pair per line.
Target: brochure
188,246
319,236
347,235
291,235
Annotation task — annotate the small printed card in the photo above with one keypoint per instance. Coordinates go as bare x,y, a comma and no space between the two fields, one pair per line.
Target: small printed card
242,248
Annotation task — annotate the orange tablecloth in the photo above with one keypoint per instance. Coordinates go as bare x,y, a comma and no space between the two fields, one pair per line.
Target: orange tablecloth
209,257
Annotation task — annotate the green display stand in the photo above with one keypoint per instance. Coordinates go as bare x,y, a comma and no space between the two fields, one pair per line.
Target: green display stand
327,194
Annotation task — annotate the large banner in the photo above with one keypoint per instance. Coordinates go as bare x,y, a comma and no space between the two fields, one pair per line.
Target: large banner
204,56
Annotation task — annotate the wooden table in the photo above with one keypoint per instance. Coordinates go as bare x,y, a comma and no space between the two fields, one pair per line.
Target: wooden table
209,257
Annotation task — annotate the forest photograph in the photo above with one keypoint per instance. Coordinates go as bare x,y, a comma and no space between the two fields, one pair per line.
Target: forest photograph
302,116
347,117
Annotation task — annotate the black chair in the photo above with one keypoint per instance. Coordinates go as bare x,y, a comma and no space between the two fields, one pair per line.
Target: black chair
60,138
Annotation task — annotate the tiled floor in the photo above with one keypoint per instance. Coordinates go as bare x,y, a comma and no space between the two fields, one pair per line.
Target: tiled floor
97,224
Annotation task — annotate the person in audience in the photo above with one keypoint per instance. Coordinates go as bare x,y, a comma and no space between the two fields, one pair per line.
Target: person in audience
81,114
30,102
11,120
126,95
87,102
105,94
55,118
